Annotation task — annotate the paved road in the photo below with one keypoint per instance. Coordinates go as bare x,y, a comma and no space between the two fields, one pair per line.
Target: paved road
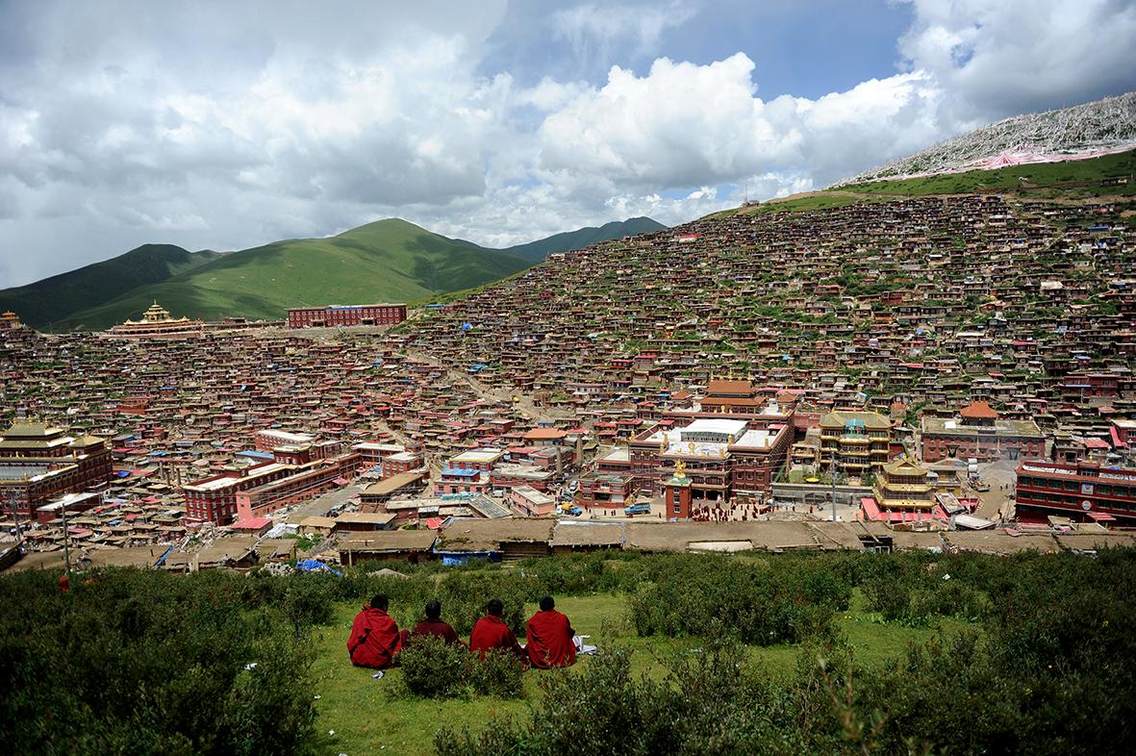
321,505
996,504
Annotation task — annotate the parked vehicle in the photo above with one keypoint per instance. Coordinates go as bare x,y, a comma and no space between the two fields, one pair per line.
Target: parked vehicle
637,509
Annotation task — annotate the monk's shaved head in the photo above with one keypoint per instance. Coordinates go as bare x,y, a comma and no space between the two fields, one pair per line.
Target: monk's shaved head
547,603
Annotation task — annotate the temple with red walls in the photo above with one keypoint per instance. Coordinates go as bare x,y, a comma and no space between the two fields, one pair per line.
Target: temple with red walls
342,316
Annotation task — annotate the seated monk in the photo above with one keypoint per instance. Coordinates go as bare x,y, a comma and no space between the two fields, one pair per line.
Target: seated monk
550,637
374,641
491,632
433,625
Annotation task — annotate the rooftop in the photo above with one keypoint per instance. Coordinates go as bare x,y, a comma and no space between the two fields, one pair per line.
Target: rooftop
477,456
1001,427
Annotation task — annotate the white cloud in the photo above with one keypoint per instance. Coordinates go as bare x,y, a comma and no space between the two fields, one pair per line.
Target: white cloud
684,125
1003,57
223,126
594,29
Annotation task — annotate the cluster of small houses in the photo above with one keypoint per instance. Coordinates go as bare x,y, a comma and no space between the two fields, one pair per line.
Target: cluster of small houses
926,303
932,326
462,540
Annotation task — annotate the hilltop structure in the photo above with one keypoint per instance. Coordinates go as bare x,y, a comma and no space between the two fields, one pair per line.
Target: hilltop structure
157,323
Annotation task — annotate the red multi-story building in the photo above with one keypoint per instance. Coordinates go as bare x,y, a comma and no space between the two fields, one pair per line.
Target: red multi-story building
40,462
979,432
724,457
374,453
269,439
264,487
215,498
337,316
1076,386
1084,491
399,463
604,491
305,482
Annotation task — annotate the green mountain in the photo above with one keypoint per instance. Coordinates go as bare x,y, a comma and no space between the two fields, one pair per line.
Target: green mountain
42,303
389,260
539,250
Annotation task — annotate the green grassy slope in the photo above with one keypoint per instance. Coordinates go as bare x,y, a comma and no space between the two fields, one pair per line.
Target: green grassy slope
42,303
389,260
1094,177
537,251
1089,177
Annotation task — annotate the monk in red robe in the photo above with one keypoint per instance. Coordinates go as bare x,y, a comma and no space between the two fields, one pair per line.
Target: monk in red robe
550,637
492,632
374,641
433,625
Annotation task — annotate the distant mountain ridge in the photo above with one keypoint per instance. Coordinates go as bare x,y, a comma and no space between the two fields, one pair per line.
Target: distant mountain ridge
1092,129
388,260
41,302
542,248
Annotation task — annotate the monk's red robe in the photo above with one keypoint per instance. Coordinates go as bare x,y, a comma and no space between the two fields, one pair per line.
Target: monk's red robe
550,640
436,628
374,639
491,632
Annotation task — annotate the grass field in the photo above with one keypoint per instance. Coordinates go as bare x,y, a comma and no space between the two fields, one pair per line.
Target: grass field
357,716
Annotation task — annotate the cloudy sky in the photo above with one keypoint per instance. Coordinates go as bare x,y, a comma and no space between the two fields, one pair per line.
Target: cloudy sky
226,124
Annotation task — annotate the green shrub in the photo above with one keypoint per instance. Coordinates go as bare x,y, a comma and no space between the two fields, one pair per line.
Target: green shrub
432,668
149,661
710,702
761,605
499,674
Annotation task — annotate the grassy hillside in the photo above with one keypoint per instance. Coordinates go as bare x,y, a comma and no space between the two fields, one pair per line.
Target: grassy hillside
538,250
1108,175
1091,177
389,260
42,303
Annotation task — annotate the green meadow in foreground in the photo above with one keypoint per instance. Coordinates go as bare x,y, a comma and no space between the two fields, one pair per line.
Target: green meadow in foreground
788,653
368,715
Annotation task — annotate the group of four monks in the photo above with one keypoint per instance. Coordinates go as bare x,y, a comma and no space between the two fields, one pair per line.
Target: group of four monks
376,641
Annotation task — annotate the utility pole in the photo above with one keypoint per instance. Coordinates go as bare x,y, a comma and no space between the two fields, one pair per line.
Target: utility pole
66,542
13,505
832,478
